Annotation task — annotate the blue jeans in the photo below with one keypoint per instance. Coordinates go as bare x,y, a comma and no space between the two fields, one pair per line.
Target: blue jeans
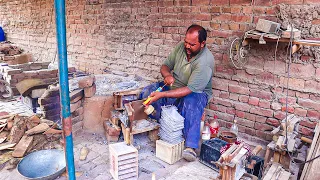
191,107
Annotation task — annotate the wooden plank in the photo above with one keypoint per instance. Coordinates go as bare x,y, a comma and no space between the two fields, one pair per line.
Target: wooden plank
229,151
38,129
315,141
22,146
285,175
271,171
7,145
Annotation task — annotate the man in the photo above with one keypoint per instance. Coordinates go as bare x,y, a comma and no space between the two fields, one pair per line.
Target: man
188,70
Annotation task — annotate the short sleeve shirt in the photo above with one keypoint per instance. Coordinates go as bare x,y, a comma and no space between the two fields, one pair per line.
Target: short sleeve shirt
195,74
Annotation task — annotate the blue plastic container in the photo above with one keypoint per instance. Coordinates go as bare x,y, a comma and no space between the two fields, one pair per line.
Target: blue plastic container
2,36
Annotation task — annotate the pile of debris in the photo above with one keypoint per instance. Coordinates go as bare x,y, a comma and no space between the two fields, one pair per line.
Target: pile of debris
21,135
12,54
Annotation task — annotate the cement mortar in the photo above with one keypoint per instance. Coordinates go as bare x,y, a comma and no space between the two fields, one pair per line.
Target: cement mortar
301,17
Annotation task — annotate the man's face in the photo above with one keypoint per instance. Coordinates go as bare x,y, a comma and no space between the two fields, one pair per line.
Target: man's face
192,45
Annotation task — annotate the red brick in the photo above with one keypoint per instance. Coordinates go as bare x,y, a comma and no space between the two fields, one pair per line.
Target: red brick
181,2
274,2
238,89
312,85
241,18
250,131
219,2
234,97
223,34
290,109
247,9
226,117
271,11
231,110
213,107
250,117
261,119
291,100
222,102
234,26
253,101
306,122
302,70
215,9
309,104
280,115
314,97
202,17
240,114
215,93
240,2
306,58
243,98
200,2
261,134
235,9
224,95
273,122
259,10
220,84
221,108
312,113
244,122
261,111
316,22
303,95
221,17
244,27
242,106
261,94
311,1
300,112
264,104
226,10
293,83
262,127
305,131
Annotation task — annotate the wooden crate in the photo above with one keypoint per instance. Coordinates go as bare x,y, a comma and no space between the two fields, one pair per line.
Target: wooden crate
123,161
169,153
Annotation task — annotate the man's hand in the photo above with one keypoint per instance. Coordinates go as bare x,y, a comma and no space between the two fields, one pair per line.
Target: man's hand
169,80
155,96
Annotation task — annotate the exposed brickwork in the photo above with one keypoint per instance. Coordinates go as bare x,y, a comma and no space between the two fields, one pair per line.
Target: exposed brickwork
136,36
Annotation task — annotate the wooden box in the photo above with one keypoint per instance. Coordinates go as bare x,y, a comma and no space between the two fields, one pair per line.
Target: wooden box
123,161
169,153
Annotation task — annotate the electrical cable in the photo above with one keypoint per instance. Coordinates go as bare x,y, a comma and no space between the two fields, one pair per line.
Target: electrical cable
287,94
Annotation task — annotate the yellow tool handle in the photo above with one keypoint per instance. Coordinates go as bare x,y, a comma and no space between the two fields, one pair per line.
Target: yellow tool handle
147,101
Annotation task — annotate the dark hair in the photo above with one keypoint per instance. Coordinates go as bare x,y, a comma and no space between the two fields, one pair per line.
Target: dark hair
202,33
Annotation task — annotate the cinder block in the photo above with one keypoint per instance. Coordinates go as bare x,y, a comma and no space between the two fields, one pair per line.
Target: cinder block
123,161
169,153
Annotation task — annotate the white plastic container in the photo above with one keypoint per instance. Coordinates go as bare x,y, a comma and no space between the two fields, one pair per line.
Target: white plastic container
206,133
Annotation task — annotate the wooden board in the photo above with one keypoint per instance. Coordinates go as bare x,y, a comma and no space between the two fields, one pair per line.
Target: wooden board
38,129
7,145
312,153
271,171
22,146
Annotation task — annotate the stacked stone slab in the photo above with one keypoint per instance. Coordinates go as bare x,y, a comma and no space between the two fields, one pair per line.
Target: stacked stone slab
14,74
50,104
171,125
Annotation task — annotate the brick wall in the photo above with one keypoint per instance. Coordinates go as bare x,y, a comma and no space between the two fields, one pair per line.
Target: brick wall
135,36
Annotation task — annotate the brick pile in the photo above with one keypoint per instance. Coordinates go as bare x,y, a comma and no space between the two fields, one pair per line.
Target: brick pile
11,54
33,70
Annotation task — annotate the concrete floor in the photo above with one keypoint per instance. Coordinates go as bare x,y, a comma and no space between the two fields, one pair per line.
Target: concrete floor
96,165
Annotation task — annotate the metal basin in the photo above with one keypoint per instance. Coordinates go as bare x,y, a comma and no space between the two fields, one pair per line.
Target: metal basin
43,165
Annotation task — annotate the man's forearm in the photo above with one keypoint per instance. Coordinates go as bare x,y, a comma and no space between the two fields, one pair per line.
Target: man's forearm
165,71
177,93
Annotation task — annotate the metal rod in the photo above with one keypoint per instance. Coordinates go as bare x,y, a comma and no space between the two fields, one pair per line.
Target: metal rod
64,85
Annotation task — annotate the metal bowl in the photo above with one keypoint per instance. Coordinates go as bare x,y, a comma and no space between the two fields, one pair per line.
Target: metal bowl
43,165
